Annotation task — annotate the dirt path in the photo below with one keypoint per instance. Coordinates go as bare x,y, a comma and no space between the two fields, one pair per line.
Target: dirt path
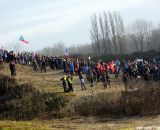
91,123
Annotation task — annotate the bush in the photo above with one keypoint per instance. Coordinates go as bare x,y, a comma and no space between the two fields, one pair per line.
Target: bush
98,105
25,102
144,100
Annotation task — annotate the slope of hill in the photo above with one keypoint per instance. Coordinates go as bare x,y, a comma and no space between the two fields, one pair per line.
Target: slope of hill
50,82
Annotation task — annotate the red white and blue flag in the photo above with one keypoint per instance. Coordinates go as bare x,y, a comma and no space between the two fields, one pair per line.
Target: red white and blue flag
22,39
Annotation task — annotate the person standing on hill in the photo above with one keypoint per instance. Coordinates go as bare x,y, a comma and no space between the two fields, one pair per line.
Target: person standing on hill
64,82
43,65
64,66
12,67
81,78
125,77
117,67
91,76
69,81
71,67
105,78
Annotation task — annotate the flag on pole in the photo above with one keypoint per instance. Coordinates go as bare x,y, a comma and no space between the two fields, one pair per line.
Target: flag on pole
22,39
66,51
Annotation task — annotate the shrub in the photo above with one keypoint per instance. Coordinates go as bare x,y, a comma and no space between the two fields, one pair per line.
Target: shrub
144,100
100,104
25,102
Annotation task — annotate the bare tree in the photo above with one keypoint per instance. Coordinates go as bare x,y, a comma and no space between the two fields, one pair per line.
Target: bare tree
134,42
56,50
148,35
113,30
95,37
81,49
141,29
120,32
102,35
60,47
107,33
155,39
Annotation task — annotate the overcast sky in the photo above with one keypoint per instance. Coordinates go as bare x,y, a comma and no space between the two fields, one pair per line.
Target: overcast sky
45,22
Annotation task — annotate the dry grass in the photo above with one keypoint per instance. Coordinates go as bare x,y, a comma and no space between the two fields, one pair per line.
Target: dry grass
44,82
50,81
82,123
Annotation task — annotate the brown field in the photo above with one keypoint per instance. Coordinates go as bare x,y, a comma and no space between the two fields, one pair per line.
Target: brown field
50,82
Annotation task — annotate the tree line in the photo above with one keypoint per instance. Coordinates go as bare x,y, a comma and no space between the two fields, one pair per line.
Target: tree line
110,36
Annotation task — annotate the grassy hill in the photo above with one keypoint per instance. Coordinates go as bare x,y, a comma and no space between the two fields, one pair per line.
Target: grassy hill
50,81
41,96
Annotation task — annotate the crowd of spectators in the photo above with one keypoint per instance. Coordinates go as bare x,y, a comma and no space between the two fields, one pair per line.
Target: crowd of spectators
86,69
